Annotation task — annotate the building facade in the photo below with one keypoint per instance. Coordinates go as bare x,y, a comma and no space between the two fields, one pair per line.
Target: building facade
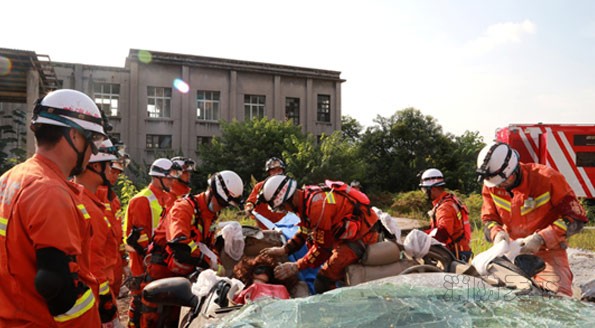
171,102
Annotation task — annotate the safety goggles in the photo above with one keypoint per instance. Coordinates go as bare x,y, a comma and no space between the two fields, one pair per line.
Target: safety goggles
94,139
186,164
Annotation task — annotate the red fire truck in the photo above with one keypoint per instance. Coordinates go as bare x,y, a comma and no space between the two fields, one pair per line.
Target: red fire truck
568,148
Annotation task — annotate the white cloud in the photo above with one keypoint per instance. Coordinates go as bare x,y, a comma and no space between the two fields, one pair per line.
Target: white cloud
499,34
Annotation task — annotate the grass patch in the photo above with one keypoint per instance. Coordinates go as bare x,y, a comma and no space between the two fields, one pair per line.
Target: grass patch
583,240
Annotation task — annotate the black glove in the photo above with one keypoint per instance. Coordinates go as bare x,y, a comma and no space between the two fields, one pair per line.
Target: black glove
132,240
107,308
181,253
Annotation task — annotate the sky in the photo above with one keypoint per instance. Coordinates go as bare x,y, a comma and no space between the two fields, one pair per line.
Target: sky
472,65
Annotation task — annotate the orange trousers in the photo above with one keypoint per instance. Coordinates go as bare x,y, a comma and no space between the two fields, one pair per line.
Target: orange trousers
557,276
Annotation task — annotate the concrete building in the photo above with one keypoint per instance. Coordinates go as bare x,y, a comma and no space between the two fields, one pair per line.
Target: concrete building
173,102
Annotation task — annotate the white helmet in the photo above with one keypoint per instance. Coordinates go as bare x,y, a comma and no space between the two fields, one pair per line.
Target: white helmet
278,189
162,167
432,178
105,153
496,162
185,163
227,187
71,108
273,163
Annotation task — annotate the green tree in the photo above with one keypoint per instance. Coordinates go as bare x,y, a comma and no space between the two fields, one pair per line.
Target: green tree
351,129
244,147
462,175
337,159
401,146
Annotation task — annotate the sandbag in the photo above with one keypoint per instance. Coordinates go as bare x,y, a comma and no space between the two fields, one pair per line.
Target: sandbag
381,253
357,273
270,238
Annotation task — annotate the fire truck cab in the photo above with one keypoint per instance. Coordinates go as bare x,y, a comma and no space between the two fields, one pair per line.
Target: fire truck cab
568,148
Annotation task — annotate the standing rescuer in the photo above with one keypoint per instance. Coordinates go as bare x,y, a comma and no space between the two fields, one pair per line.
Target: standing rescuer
181,185
534,204
43,222
449,217
142,217
104,243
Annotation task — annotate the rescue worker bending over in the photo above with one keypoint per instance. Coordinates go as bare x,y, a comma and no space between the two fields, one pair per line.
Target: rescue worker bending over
273,166
532,203
104,244
339,234
142,217
185,238
449,217
181,185
43,223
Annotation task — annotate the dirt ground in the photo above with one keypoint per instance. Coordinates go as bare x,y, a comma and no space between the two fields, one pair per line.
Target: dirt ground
123,309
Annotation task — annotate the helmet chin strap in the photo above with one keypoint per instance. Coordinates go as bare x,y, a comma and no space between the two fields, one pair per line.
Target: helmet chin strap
104,179
80,156
162,184
428,192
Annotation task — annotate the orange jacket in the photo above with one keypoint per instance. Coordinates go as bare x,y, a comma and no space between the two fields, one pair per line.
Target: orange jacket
115,245
181,221
102,243
328,218
539,204
447,220
139,214
39,208
179,189
262,208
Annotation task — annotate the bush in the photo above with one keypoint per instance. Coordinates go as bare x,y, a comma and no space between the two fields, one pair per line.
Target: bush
412,205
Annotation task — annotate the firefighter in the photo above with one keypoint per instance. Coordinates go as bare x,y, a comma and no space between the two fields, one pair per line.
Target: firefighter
449,217
114,215
43,223
104,246
273,166
185,239
142,217
181,185
531,203
339,229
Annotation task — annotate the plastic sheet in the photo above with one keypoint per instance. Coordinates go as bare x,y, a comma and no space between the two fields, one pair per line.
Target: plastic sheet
389,222
502,248
417,300
417,243
234,239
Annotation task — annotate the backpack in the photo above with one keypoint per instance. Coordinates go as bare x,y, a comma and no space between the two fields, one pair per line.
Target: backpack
361,203
464,212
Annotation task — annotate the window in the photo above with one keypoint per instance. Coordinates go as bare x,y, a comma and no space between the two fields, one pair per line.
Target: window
253,107
158,102
207,105
156,141
203,141
323,113
107,96
292,109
